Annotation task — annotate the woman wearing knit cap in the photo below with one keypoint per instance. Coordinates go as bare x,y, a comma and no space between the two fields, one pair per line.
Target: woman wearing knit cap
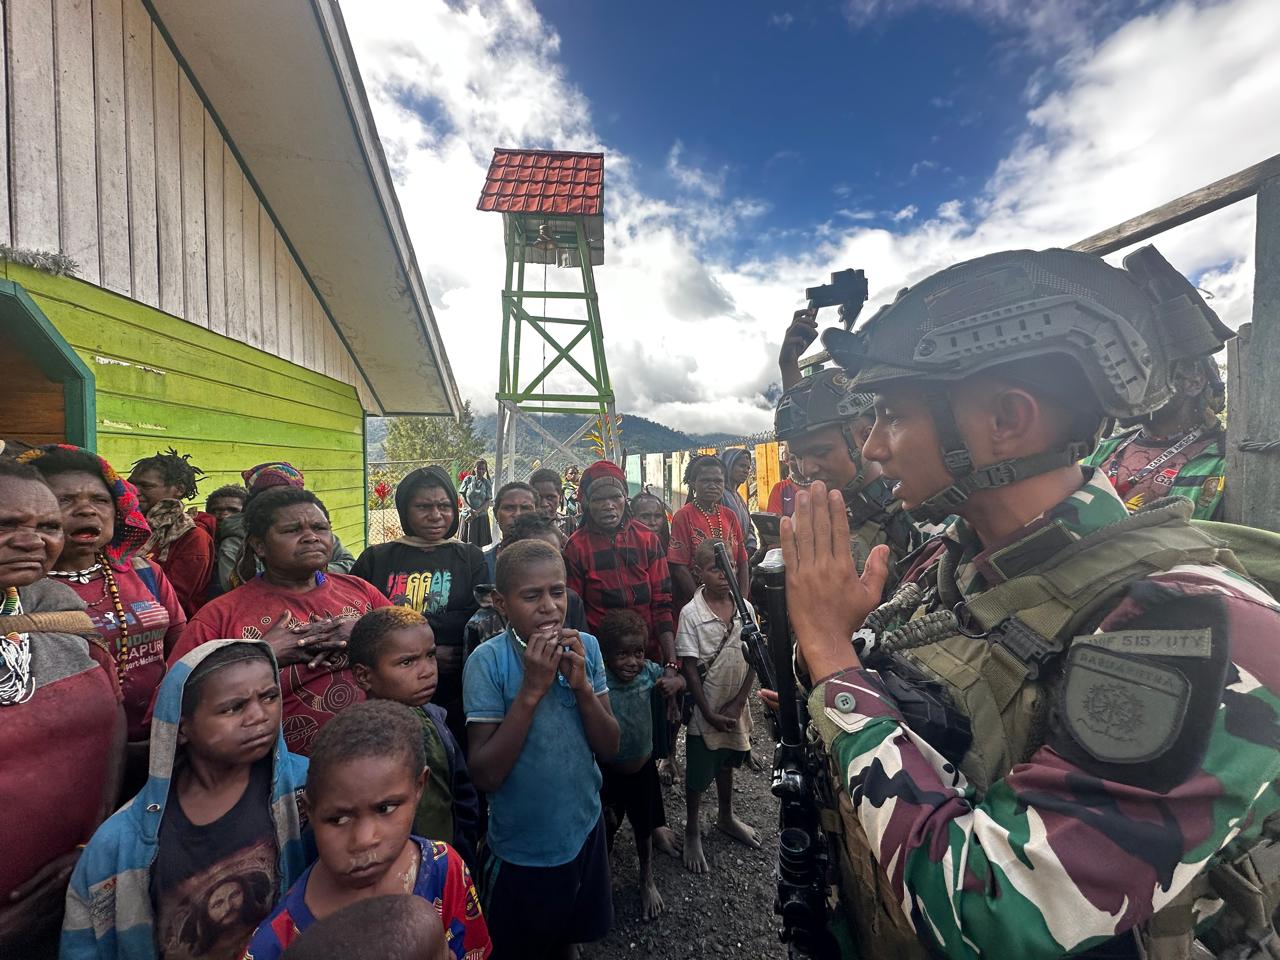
235,561
615,562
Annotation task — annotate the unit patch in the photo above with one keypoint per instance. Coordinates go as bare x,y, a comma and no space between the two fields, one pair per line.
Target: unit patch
1160,643
1120,708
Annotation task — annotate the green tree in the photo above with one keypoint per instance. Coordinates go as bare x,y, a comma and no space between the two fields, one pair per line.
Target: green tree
435,438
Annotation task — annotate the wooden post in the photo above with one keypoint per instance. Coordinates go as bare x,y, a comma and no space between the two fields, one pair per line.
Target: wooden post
1237,416
1260,493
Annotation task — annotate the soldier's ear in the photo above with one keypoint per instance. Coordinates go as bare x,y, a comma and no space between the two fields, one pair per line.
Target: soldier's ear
1018,423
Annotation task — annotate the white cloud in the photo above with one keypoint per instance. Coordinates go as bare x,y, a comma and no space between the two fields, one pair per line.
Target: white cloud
692,177
1041,24
1171,101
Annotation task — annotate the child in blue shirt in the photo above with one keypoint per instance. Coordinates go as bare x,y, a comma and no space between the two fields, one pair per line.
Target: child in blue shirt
538,717
631,786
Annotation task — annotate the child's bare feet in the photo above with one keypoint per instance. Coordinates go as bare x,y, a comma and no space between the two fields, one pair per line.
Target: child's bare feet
650,900
735,828
666,840
694,860
668,769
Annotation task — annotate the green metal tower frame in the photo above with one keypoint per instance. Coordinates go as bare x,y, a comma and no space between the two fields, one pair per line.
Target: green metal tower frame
521,397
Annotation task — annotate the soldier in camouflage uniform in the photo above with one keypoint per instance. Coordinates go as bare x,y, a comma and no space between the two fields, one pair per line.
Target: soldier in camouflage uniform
824,422
1096,774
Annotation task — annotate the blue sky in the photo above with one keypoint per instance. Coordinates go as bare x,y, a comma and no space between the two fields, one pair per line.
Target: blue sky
752,149
814,117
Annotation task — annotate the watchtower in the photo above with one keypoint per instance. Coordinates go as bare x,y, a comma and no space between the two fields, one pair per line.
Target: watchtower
552,206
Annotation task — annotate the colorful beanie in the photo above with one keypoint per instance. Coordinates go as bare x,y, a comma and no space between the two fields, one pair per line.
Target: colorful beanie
601,470
277,473
131,529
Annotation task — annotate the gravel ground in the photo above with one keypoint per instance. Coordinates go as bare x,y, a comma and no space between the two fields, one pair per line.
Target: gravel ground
725,913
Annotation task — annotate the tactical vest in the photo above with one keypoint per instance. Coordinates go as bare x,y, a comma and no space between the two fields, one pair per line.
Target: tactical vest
872,523
998,669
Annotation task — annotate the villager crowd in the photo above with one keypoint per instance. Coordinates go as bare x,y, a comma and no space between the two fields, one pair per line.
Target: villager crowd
223,736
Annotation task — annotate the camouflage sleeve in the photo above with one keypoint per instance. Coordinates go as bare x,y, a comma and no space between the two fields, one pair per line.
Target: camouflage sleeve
1068,851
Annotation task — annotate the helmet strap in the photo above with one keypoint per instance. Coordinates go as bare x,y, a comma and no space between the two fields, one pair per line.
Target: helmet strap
846,431
955,455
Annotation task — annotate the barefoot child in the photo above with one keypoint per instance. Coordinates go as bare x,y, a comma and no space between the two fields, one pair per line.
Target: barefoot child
631,779
393,657
199,857
538,717
367,772
709,643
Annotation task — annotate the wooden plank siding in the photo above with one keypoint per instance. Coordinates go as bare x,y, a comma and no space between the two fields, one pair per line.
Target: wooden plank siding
33,127
163,381
114,159
77,135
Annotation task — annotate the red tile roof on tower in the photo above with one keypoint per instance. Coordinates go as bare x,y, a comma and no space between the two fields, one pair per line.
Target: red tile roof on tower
544,181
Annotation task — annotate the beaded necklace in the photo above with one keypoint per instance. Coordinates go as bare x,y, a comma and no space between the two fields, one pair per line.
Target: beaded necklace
15,655
713,520
76,576
122,644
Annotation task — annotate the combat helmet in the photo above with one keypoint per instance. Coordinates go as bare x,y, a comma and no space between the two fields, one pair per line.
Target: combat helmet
827,398
1122,328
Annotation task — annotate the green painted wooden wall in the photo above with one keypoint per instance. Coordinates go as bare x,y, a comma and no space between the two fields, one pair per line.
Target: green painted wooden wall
164,382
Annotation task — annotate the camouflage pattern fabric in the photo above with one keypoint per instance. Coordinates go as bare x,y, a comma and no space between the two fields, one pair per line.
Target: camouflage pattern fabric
1198,473
1066,851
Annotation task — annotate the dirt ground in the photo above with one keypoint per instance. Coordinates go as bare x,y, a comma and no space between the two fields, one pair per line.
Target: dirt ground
725,913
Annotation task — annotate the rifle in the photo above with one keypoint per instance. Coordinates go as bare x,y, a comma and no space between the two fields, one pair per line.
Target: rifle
804,860
753,643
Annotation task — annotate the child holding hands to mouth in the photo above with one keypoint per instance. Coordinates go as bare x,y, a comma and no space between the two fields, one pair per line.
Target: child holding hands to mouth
538,718
367,773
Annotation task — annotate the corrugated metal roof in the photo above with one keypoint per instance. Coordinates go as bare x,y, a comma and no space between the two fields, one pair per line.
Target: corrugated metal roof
544,181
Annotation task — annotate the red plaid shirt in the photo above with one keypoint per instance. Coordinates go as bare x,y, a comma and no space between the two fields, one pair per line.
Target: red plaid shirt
627,570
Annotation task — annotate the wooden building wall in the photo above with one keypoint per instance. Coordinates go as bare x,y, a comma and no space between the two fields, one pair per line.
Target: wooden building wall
113,159
163,382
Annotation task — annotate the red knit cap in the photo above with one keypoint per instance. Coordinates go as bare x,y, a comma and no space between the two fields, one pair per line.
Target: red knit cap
599,470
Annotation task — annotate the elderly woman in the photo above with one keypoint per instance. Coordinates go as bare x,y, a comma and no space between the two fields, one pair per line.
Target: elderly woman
302,612
129,599
63,729
431,571
614,562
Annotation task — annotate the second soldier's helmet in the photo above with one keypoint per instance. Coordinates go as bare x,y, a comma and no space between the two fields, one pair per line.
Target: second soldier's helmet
826,398
1122,327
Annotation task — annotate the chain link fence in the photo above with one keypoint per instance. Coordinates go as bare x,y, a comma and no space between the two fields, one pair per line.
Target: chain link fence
384,476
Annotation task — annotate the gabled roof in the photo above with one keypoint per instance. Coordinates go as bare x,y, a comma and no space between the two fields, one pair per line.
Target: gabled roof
281,78
553,182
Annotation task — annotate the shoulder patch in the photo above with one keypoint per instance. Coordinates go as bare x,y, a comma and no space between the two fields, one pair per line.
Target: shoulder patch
1161,643
1120,708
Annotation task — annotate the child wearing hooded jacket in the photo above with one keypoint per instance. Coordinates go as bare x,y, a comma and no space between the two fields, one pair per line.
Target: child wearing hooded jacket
433,572
191,865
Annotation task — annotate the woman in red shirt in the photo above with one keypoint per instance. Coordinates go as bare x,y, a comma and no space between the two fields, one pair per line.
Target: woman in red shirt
304,613
615,562
130,601
62,735
702,517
